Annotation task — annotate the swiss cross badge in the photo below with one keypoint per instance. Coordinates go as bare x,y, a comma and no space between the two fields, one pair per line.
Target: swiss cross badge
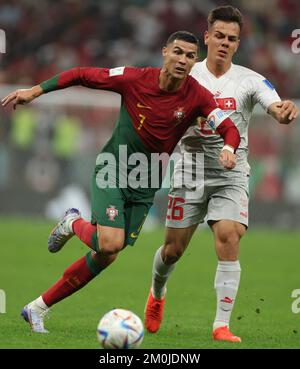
179,114
112,212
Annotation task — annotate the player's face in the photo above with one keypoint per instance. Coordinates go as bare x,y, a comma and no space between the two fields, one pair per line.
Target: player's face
222,40
179,58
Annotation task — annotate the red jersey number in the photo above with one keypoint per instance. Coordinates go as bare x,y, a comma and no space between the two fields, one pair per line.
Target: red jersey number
175,212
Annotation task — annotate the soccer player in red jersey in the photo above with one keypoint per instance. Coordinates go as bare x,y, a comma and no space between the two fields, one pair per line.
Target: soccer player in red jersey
158,105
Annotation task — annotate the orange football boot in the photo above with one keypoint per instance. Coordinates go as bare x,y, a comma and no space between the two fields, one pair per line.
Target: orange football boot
224,334
154,313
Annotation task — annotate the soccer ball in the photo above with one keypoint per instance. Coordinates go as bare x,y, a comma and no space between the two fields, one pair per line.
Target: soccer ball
120,329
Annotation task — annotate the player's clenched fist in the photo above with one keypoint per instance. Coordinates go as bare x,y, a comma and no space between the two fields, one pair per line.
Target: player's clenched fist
22,96
227,159
288,111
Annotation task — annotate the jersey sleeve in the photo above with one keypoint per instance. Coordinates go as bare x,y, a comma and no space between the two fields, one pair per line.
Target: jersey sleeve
263,92
206,101
114,79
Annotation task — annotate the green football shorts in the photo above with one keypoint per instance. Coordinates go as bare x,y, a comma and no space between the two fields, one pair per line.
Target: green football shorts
119,208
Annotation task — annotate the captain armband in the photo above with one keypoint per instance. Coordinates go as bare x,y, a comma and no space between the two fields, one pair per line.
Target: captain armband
215,118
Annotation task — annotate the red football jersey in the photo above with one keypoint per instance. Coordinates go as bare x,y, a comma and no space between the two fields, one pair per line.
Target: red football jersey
159,117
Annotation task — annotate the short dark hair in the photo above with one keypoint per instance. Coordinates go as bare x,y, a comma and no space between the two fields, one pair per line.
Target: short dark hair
183,36
226,13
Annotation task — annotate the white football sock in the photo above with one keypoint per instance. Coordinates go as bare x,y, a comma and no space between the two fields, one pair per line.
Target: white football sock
39,302
226,284
160,275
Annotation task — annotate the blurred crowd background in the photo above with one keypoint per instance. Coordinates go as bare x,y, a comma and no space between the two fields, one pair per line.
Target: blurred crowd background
48,150
46,36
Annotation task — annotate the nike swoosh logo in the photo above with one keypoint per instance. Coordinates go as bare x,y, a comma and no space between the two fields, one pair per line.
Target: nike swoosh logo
139,105
133,235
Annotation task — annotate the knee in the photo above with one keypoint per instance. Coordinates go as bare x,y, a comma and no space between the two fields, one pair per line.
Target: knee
110,246
172,252
229,238
227,245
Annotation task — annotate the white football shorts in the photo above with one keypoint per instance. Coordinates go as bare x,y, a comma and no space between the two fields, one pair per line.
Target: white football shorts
215,202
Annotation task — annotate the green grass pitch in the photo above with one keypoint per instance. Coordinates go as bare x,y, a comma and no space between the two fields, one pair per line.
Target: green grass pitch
262,316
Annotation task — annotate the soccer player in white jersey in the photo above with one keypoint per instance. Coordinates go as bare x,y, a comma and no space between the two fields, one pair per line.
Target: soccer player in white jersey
224,200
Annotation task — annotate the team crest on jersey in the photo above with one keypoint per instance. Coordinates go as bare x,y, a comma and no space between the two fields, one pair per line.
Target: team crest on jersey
112,212
179,114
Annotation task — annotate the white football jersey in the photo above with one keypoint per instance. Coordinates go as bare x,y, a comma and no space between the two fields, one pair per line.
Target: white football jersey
236,92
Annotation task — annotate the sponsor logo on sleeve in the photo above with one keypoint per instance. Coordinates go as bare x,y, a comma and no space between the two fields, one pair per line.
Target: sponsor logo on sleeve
116,71
268,84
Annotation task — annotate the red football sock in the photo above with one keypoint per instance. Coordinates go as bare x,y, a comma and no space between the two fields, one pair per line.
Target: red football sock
74,278
84,231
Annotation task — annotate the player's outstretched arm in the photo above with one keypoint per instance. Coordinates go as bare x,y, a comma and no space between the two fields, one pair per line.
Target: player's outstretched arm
285,112
97,78
87,76
22,96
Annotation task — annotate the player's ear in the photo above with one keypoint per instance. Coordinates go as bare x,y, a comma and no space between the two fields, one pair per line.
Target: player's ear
164,51
206,36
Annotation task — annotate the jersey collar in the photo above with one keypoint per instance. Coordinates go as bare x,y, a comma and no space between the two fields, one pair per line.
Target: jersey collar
211,74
